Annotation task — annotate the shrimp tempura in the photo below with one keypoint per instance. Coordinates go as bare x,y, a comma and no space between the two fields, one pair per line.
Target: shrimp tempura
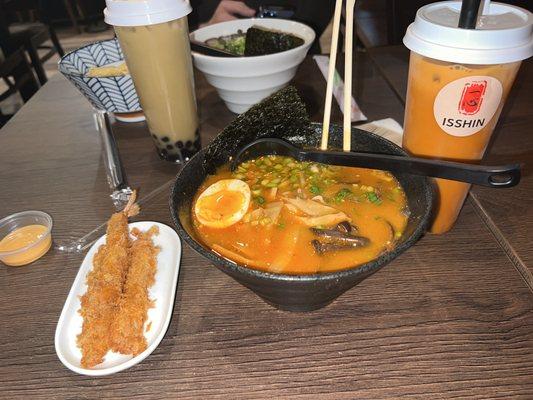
127,330
104,287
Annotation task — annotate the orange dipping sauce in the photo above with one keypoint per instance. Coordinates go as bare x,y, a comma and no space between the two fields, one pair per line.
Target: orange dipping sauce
25,245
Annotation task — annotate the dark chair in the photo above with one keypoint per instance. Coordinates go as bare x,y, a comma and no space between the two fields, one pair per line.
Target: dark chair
17,74
33,35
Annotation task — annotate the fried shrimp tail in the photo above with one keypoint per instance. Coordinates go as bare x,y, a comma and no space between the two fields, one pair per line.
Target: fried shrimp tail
105,286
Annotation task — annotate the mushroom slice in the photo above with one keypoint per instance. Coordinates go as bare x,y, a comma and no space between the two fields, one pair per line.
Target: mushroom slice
341,238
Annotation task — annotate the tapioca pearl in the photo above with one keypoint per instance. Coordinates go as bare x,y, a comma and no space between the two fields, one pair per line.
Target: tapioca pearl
187,154
164,152
165,139
197,142
188,144
170,147
179,144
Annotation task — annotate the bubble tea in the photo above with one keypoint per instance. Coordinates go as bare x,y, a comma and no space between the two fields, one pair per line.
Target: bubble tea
458,82
154,38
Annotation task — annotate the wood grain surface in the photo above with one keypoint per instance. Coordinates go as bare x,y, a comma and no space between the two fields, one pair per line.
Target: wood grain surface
450,318
508,213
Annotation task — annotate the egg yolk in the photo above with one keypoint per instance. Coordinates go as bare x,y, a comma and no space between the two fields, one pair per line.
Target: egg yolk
220,205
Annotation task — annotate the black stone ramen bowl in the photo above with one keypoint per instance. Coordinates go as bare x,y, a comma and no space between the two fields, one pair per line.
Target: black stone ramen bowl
302,292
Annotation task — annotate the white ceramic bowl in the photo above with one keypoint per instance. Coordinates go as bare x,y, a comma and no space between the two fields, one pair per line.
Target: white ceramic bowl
244,81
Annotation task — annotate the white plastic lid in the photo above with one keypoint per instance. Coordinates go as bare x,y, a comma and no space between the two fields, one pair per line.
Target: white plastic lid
144,12
503,34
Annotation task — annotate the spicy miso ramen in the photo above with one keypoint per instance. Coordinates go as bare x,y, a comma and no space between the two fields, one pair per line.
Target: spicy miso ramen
283,216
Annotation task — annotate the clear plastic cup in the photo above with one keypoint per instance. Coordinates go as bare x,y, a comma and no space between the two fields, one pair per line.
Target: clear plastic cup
32,251
154,38
458,82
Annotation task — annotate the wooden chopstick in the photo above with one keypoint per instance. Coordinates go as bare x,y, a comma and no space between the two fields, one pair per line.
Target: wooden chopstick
331,74
347,121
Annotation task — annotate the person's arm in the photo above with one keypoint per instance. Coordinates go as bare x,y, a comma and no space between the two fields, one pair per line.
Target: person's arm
208,12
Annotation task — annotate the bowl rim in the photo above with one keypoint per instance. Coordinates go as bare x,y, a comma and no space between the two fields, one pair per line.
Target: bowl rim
66,73
305,44
371,265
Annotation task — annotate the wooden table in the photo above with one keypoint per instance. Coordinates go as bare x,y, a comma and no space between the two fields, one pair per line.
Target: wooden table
450,318
508,214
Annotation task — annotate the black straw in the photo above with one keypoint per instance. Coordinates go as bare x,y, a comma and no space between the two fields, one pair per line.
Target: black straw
469,11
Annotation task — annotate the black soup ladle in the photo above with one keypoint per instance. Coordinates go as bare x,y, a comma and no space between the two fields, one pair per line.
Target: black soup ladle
497,176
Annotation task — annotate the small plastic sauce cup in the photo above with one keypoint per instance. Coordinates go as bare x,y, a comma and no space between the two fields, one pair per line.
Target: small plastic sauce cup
32,251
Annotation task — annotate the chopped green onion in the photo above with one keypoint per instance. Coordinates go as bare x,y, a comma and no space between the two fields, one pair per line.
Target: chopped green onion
373,198
260,200
315,189
342,195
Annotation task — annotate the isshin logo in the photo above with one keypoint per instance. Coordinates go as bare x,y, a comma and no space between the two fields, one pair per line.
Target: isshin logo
472,97
465,106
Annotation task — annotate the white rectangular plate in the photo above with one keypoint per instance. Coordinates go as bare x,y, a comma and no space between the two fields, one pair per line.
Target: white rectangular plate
163,292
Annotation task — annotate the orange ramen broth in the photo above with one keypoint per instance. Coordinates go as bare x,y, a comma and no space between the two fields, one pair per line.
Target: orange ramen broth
373,201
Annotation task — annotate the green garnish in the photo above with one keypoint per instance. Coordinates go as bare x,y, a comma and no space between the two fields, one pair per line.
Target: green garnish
342,195
281,225
260,200
373,198
315,189
236,46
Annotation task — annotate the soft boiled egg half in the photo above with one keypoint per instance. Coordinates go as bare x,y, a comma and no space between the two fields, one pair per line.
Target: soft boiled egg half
223,204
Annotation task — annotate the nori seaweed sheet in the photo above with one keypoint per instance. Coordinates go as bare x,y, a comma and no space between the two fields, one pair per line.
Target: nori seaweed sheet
260,41
276,115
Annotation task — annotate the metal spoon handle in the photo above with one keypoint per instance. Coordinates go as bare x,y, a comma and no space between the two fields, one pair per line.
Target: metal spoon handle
498,176
116,175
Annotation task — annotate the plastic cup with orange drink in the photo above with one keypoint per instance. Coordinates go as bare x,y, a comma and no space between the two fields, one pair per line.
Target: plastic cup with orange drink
458,82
